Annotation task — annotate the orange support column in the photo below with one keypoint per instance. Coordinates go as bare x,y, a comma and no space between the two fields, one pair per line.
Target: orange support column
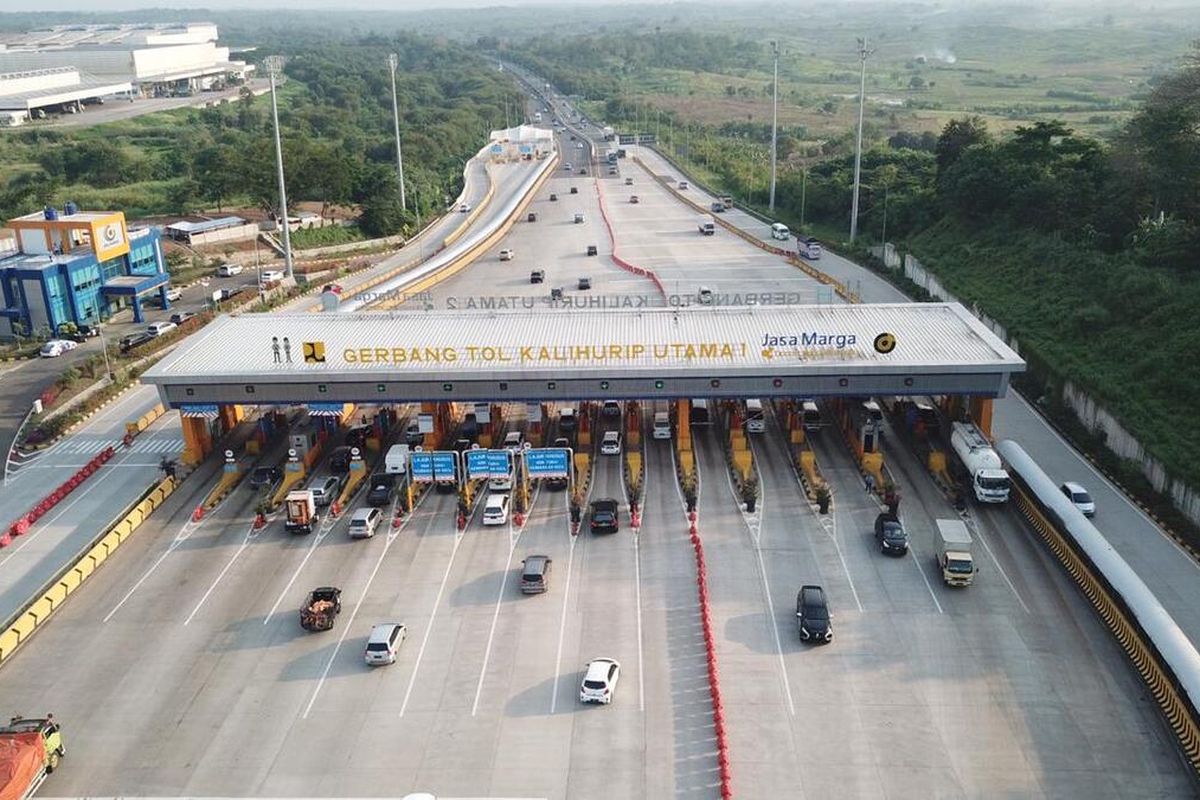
197,442
981,414
231,416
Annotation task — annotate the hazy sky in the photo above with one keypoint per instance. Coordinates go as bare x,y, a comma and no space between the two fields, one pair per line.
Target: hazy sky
391,5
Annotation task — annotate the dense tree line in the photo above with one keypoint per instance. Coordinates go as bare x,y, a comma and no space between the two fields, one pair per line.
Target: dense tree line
336,117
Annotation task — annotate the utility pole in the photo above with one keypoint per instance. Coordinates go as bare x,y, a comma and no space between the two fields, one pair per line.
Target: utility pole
393,62
803,194
774,123
863,52
274,66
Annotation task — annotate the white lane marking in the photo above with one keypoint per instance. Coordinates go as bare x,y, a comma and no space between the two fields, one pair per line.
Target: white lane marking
42,525
764,583
391,537
250,536
487,653
1101,477
437,602
1003,574
13,446
562,622
830,524
326,527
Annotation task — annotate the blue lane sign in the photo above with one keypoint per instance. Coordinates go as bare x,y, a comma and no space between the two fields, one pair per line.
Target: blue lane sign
435,466
488,463
550,462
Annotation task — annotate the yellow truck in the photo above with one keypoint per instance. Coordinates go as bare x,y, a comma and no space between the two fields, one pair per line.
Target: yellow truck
954,553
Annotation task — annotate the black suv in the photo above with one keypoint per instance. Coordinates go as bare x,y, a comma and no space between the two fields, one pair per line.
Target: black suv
357,436
265,476
812,615
339,461
604,516
890,535
537,276
383,486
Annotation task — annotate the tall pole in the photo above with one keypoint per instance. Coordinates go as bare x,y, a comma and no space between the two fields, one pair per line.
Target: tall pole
274,66
393,62
863,52
803,193
774,122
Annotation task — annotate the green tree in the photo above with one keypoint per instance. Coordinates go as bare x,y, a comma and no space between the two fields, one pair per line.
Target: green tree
956,137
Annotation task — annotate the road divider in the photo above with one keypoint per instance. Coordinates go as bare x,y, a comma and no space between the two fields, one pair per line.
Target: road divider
620,262
466,224
25,522
51,596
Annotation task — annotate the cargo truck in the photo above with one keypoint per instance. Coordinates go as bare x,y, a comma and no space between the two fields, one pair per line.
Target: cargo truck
981,463
30,749
301,511
707,226
954,553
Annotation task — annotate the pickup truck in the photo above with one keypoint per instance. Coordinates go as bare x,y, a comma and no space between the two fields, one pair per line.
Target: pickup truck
30,749
321,609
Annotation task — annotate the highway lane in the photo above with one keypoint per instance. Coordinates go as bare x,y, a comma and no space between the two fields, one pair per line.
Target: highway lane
1173,575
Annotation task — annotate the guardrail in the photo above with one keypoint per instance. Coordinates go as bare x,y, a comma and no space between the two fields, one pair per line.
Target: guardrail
620,262
466,224
469,255
25,522
52,594
1163,656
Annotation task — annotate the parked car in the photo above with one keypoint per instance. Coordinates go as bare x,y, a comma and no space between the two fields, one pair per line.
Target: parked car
610,445
160,328
174,293
812,615
181,317
265,476
78,333
537,276
384,642
584,284
133,340
600,679
506,254
1079,497
603,517
890,535
56,347
229,270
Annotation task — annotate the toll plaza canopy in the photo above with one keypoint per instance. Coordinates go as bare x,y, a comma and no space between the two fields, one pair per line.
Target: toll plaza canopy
570,353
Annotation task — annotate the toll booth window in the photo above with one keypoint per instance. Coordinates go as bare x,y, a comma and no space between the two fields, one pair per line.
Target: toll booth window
322,388
249,390
190,392
504,386
381,387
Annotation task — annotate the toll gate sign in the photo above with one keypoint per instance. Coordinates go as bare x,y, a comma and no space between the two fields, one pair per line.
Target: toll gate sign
550,462
433,466
488,463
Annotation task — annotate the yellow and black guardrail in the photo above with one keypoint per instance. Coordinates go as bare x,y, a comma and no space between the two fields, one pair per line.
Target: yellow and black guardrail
51,596
466,224
1141,653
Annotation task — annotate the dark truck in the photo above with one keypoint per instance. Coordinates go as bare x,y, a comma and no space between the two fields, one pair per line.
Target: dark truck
321,609
890,535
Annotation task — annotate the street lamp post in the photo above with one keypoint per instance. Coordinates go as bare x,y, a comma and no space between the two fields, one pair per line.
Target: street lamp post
774,122
274,66
393,62
863,52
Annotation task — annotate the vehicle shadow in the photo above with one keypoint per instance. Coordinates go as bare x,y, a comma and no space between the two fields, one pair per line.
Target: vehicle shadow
310,666
754,631
535,701
482,590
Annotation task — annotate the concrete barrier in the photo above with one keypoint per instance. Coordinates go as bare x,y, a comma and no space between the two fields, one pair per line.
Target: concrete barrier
53,594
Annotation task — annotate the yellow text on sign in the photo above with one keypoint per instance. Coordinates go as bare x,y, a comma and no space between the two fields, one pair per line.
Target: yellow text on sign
537,353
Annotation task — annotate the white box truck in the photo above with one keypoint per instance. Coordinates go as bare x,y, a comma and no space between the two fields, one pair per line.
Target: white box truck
982,464
395,462
954,553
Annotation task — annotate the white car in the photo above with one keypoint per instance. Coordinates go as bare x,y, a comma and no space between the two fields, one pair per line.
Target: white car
229,270
1079,497
504,484
56,347
384,642
506,254
579,145
513,440
600,681
463,208
610,445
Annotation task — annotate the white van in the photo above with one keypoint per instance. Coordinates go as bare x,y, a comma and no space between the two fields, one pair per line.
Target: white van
364,522
396,460
811,416
662,425
756,422
271,276
229,270
496,510
780,231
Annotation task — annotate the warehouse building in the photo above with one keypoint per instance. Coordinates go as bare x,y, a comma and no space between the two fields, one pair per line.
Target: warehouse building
157,60
33,94
77,266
